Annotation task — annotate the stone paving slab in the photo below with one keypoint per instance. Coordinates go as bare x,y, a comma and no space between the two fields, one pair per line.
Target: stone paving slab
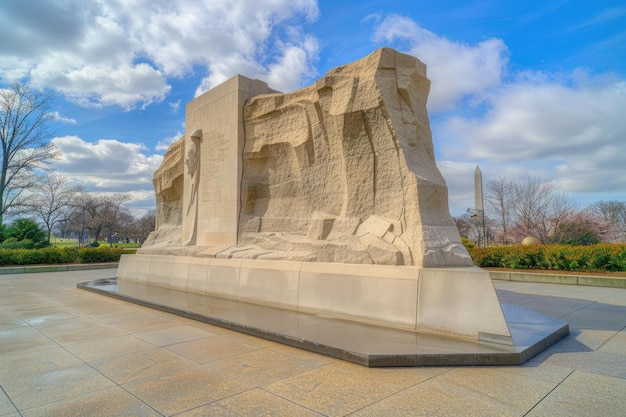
583,375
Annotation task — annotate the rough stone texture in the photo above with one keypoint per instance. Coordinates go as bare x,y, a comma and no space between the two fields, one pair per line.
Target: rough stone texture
341,171
168,187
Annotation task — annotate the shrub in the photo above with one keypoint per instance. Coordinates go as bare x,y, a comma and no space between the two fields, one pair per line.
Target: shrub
488,256
467,243
26,229
601,257
51,256
13,243
101,254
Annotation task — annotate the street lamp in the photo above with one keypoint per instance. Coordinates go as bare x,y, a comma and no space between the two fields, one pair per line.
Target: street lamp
82,233
475,213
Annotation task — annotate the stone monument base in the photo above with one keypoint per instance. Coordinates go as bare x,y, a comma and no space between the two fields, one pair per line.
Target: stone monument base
456,301
359,341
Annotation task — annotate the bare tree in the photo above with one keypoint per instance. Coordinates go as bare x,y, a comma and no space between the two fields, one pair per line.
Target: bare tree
51,202
142,227
610,211
124,223
579,229
474,230
72,225
464,224
501,204
540,209
102,215
24,138
613,215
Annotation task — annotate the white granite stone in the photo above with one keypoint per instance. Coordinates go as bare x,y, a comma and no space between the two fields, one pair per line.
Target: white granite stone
326,199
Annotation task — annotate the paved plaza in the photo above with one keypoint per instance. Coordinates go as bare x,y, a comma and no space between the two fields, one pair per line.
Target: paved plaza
69,352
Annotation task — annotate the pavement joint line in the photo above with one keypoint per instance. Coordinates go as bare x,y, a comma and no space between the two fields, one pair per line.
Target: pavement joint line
262,388
579,309
610,338
6,394
550,392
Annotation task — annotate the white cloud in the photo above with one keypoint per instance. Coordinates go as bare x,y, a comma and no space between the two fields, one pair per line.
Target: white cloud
575,131
174,106
107,164
456,70
564,127
459,178
294,65
103,52
100,86
59,118
164,144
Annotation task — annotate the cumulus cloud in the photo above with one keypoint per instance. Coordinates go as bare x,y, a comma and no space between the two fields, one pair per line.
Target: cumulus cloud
527,121
574,131
293,66
459,178
164,144
102,52
566,127
106,164
457,70
56,116
90,86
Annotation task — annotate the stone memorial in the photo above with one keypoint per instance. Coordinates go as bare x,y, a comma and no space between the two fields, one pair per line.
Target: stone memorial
341,171
326,200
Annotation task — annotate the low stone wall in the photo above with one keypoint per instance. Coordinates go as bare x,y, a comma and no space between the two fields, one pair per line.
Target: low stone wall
28,269
593,281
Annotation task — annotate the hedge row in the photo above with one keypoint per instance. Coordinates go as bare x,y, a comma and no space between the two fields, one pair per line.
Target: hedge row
58,256
602,257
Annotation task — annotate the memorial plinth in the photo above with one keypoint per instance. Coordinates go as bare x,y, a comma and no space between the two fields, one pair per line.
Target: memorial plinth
325,201
458,301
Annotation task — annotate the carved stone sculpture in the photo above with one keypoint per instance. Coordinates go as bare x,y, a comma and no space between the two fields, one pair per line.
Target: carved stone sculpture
341,171
326,200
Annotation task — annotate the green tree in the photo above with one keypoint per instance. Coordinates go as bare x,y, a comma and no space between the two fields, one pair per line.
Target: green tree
26,230
24,143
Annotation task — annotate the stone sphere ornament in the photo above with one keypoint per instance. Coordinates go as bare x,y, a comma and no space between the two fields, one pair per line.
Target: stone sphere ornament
530,241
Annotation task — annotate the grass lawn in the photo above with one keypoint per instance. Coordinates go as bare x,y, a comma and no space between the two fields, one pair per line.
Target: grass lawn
62,243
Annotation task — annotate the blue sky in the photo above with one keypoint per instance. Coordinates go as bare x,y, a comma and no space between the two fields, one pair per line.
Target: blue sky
533,89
